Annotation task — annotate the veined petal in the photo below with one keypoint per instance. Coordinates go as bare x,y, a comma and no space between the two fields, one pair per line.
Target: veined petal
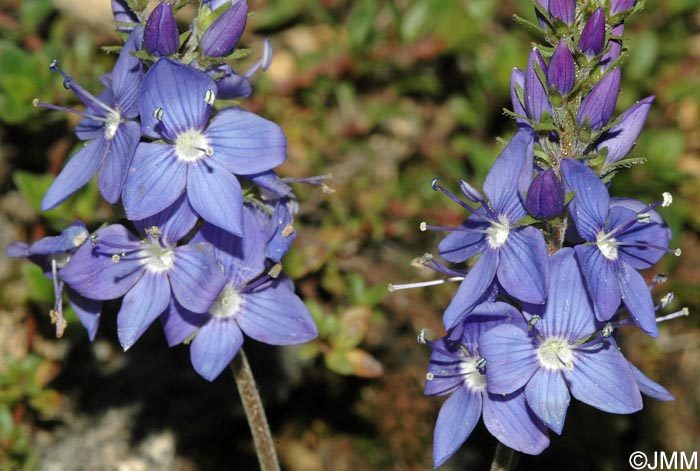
602,280
457,418
276,316
602,378
589,208
548,396
214,347
215,195
179,323
472,289
620,139
92,272
196,278
637,298
517,82
113,172
655,232
126,75
155,180
168,109
650,388
536,100
523,270
569,312
174,222
244,143
504,180
87,310
512,422
510,356
460,246
148,298
77,172
598,106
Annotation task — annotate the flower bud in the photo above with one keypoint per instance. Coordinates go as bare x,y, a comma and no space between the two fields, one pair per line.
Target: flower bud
618,6
599,104
562,71
592,38
614,47
545,197
620,139
517,82
161,35
565,10
123,14
536,101
224,33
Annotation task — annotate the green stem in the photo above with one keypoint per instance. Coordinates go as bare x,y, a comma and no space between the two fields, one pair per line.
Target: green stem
255,413
504,459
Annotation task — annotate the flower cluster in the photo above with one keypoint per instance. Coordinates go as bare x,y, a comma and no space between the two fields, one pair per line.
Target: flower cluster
553,259
207,218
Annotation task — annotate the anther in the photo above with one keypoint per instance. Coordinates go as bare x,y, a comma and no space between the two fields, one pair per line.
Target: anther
423,226
153,231
658,279
288,230
421,337
643,218
115,258
275,270
677,252
480,364
668,199
209,97
607,330
667,299
429,376
158,113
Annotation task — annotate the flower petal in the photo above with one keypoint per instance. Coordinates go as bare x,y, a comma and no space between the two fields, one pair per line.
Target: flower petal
512,422
155,180
196,278
510,356
548,396
472,289
113,172
523,270
507,177
215,195
77,172
620,139
276,316
244,143
183,108
174,222
602,378
602,280
148,298
214,347
460,246
87,310
179,323
598,106
457,418
126,75
590,205
637,298
650,388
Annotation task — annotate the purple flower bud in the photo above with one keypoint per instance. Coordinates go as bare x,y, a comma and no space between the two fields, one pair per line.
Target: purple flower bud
599,104
614,47
618,6
592,38
517,80
621,138
161,35
123,14
225,32
536,100
540,18
545,198
562,72
565,10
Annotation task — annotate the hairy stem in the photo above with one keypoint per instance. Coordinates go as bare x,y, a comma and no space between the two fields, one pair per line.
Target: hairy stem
504,459
254,411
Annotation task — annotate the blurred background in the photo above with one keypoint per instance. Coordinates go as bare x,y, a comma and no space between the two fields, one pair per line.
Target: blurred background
383,95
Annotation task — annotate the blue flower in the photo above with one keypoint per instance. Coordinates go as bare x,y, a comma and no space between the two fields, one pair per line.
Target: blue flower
147,271
515,255
52,254
251,302
564,354
456,368
622,236
108,124
619,139
198,158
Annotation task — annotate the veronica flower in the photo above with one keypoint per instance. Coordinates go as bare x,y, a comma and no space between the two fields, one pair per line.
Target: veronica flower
52,254
560,356
148,270
456,368
251,302
108,124
622,236
515,255
620,138
198,158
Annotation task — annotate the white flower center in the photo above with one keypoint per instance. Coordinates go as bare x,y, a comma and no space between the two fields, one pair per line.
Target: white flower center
472,376
555,354
159,259
607,246
497,233
227,304
112,124
192,145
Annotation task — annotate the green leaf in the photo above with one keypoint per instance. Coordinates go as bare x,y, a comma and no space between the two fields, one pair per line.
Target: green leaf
360,22
40,287
352,328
